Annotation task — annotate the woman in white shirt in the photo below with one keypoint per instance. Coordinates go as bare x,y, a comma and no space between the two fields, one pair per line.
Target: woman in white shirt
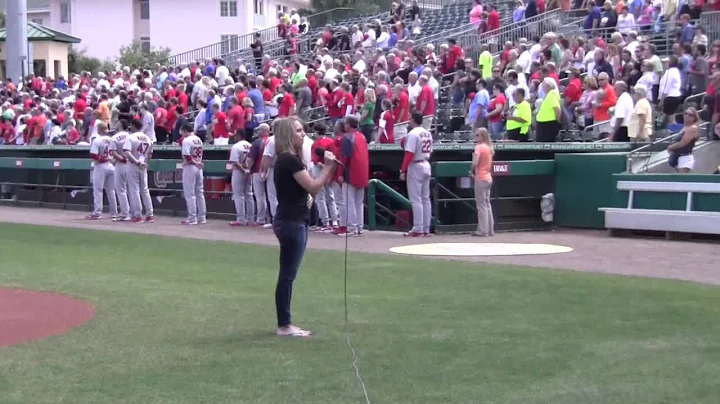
625,21
648,78
670,95
382,40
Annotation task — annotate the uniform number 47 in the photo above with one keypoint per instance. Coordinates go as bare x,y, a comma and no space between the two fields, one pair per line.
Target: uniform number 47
143,148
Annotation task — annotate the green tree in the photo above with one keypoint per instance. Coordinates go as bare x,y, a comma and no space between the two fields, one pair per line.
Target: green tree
78,62
134,54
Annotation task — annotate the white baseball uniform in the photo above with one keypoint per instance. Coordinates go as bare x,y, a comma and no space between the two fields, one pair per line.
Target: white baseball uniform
270,182
258,186
103,176
419,141
192,178
140,146
121,187
242,184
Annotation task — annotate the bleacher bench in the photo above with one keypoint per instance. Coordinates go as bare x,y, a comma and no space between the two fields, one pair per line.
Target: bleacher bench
671,221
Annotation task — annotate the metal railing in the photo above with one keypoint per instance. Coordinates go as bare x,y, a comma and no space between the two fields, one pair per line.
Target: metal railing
645,149
235,45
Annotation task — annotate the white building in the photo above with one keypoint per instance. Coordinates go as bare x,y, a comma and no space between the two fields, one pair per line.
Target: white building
181,25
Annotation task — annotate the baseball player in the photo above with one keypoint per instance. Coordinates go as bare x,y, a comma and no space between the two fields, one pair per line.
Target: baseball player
241,181
254,163
325,199
192,176
103,174
336,185
138,150
267,174
116,151
416,170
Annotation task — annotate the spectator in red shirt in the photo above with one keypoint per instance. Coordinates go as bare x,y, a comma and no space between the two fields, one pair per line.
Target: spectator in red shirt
171,118
274,80
493,19
182,97
454,53
220,126
160,116
573,92
425,103
80,105
287,106
312,85
386,125
348,101
496,109
335,101
236,116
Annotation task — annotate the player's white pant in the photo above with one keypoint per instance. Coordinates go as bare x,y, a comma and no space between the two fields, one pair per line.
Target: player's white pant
418,186
243,197
339,194
121,188
271,192
192,178
104,179
325,201
138,190
355,213
260,198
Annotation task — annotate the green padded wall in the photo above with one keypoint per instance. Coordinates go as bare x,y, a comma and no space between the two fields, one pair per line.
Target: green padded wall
583,183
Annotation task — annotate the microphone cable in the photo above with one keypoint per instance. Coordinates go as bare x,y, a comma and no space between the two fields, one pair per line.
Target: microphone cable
355,358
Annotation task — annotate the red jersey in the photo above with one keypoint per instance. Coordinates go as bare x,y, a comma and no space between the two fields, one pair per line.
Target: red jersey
220,125
493,21
312,84
267,95
334,105
403,107
348,101
73,136
274,83
427,97
80,105
454,53
324,142
356,158
161,117
183,100
171,118
288,102
389,134
172,93
236,115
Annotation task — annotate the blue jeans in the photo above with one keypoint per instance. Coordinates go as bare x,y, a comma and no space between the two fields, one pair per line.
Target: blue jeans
292,236
496,129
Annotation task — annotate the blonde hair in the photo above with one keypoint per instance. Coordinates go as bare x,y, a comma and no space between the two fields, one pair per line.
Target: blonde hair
484,136
370,95
283,130
247,102
695,114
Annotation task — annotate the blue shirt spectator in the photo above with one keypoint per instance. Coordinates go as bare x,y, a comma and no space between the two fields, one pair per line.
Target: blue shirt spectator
519,14
593,15
210,70
258,104
479,105
393,39
687,33
208,111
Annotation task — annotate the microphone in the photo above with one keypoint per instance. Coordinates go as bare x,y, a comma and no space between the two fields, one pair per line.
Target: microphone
320,152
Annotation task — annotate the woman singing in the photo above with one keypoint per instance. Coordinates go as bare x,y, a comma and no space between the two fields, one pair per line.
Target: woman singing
294,186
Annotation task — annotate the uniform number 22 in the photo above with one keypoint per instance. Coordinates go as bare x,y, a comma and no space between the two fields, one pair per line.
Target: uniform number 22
426,146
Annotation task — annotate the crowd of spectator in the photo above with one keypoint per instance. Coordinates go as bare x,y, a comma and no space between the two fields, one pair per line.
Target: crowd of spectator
609,79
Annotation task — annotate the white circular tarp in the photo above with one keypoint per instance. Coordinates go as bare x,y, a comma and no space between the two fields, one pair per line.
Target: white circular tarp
479,249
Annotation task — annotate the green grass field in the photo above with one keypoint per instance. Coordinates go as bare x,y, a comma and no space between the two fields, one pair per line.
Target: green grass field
187,321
